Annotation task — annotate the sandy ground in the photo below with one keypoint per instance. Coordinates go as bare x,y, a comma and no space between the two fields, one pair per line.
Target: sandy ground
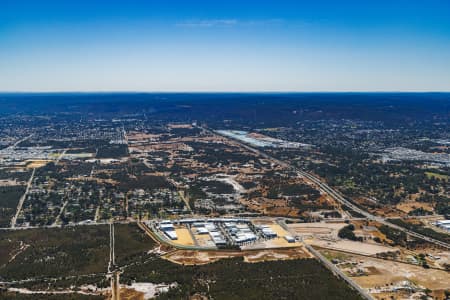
279,242
204,240
190,257
9,182
310,229
279,230
409,206
143,290
130,294
278,254
382,273
441,257
83,290
390,271
37,163
351,246
184,237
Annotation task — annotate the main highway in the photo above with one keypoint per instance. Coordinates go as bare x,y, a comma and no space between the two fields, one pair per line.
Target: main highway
338,272
325,188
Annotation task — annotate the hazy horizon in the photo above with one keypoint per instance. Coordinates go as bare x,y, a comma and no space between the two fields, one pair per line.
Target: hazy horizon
222,92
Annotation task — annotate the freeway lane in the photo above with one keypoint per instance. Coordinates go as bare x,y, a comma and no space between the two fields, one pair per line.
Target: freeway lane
337,196
333,193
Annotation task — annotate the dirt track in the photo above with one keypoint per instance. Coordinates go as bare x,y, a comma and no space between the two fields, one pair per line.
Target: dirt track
190,257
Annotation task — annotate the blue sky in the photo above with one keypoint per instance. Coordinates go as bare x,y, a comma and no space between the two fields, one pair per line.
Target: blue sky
229,45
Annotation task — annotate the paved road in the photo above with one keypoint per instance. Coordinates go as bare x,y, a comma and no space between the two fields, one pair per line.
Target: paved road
49,279
336,271
22,200
113,270
104,222
336,195
111,263
61,211
20,141
60,156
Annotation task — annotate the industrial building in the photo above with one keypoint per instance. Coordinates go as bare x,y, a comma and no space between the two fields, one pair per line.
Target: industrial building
443,224
240,233
168,229
267,232
220,232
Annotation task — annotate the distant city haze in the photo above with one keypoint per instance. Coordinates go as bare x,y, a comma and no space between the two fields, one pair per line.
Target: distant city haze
230,45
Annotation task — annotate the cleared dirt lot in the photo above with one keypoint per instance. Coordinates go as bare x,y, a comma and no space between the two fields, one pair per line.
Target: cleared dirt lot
406,207
389,271
351,246
325,235
184,237
277,242
192,257
37,163
379,273
204,240
308,229
277,254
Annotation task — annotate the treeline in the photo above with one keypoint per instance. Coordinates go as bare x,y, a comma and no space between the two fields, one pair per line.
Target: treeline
293,190
112,151
56,252
233,279
9,198
214,154
422,230
195,193
347,233
141,182
396,236
217,187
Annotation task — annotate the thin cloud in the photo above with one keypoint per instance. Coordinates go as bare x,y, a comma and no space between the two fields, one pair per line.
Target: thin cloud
208,23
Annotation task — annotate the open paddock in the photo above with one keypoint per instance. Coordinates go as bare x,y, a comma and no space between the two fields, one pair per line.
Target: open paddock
379,273
305,229
351,246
